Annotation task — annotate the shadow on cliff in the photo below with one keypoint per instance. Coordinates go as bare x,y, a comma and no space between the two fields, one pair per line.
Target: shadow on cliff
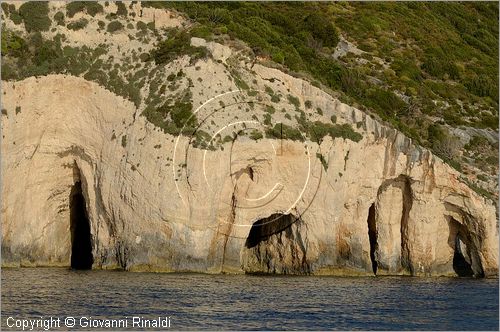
465,260
81,245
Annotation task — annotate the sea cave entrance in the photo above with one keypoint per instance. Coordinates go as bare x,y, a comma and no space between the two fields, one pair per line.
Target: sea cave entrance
466,261
372,235
277,245
81,245
461,265
262,229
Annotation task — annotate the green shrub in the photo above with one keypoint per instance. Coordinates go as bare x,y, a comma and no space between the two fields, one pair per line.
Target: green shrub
176,46
322,160
173,116
437,66
35,15
202,31
435,133
13,45
482,177
122,10
114,26
5,8
269,109
482,86
283,131
317,130
91,7
275,98
141,26
59,18
256,135
294,101
269,90
267,119
78,25
492,160
386,103
240,83
74,7
278,57
124,140
15,17
321,28
475,142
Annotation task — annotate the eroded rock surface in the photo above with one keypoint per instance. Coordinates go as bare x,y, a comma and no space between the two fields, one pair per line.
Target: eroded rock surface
155,203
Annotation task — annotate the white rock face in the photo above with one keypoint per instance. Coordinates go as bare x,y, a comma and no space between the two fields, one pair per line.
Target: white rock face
156,203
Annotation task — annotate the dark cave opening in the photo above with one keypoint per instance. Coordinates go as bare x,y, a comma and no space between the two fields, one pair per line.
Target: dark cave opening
460,265
372,235
81,245
262,229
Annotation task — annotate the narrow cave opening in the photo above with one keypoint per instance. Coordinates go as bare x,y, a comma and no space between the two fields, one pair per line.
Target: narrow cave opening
372,235
461,266
250,173
262,229
81,245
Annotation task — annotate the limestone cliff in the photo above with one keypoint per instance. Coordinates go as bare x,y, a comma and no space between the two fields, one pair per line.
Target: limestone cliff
220,164
156,203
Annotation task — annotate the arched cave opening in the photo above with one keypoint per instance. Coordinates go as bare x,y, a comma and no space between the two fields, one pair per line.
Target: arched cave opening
262,229
277,244
461,266
372,235
81,245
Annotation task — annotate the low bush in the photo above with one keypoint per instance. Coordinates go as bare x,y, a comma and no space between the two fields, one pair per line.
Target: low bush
173,117
482,86
322,160
256,135
35,15
59,18
294,101
114,26
318,130
121,9
176,46
91,7
13,45
78,25
283,131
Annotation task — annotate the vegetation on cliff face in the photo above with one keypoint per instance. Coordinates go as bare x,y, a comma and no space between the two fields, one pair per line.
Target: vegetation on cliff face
428,69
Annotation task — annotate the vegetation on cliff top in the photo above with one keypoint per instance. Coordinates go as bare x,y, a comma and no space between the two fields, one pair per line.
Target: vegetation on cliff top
428,69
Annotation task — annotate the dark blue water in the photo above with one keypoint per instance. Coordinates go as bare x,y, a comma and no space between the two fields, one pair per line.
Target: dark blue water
196,301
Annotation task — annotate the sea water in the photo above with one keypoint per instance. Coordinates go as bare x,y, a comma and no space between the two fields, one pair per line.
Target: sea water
91,299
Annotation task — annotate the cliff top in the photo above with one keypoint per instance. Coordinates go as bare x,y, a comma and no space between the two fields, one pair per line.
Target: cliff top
170,61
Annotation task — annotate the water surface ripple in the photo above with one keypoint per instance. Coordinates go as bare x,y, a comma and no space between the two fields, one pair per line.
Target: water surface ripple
197,301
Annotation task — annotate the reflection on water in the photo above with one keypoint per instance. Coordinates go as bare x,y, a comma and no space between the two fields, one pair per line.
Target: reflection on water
196,301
